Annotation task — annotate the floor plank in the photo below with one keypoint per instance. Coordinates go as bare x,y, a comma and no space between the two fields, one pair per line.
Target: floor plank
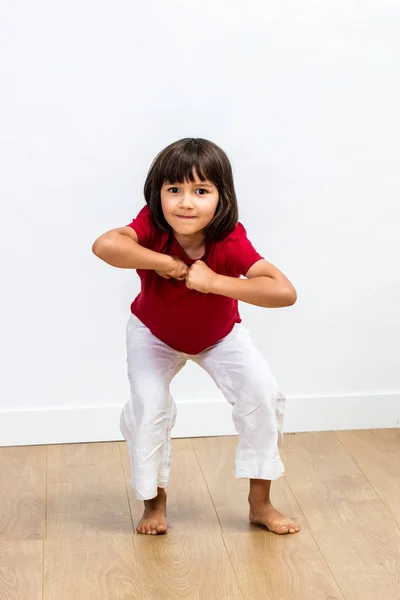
191,561
89,551
357,536
216,456
272,567
92,568
86,493
22,492
377,454
21,569
179,565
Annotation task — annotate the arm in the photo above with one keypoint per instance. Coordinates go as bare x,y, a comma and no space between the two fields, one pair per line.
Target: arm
265,285
120,248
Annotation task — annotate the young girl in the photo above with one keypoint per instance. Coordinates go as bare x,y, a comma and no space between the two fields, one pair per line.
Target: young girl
190,251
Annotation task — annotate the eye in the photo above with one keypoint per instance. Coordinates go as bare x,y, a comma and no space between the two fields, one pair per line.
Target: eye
202,190
173,190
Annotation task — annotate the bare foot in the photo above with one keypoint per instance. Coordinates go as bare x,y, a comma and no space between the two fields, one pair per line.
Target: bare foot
272,519
154,519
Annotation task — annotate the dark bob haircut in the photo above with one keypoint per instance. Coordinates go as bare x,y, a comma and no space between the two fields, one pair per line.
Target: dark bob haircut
176,163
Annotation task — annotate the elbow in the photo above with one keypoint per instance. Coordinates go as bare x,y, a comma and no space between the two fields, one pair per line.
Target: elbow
283,295
97,248
101,248
290,297
286,295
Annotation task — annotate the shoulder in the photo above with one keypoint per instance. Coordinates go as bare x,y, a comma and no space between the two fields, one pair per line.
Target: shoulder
238,252
238,235
143,216
143,224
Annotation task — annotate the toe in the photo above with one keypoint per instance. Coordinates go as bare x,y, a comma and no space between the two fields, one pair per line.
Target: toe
153,528
282,529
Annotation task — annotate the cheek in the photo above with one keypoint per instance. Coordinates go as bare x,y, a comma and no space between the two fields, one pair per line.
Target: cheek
209,210
166,205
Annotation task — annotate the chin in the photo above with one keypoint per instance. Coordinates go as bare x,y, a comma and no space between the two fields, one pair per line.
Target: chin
186,230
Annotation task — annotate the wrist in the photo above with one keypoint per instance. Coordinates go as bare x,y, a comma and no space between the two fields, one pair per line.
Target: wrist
215,287
165,263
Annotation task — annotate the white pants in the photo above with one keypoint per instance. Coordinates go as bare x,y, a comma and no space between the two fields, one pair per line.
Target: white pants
242,374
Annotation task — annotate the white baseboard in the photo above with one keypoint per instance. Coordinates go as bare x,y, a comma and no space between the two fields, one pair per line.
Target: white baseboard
197,419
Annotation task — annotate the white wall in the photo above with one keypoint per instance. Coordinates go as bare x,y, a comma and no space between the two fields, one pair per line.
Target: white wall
304,98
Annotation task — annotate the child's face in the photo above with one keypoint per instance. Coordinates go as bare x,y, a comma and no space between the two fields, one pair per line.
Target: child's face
190,206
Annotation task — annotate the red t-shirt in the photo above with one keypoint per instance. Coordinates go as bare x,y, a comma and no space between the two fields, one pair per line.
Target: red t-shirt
185,319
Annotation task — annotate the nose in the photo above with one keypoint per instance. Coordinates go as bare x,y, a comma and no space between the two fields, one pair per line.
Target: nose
186,201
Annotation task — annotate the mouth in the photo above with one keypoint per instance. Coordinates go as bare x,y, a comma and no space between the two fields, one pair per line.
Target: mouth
185,217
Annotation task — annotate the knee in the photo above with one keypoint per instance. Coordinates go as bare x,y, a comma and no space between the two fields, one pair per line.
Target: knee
150,402
146,387
258,403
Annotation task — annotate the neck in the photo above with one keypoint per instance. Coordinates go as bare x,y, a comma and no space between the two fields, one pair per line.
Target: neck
194,240
193,245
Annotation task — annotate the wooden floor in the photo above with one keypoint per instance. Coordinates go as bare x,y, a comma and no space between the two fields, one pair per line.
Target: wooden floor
67,517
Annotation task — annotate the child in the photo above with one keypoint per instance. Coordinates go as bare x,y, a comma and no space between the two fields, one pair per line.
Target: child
190,251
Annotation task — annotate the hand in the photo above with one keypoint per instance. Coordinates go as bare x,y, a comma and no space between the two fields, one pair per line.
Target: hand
178,269
200,277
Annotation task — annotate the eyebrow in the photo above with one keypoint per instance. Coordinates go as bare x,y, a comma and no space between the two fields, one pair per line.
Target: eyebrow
201,184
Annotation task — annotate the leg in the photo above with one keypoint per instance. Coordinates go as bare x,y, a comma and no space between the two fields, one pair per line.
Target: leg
262,512
154,519
243,375
147,419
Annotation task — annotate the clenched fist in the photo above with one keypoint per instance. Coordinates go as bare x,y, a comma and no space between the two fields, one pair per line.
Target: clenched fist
200,277
178,269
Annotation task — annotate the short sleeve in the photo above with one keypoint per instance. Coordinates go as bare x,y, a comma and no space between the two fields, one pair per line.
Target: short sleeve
239,252
144,228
